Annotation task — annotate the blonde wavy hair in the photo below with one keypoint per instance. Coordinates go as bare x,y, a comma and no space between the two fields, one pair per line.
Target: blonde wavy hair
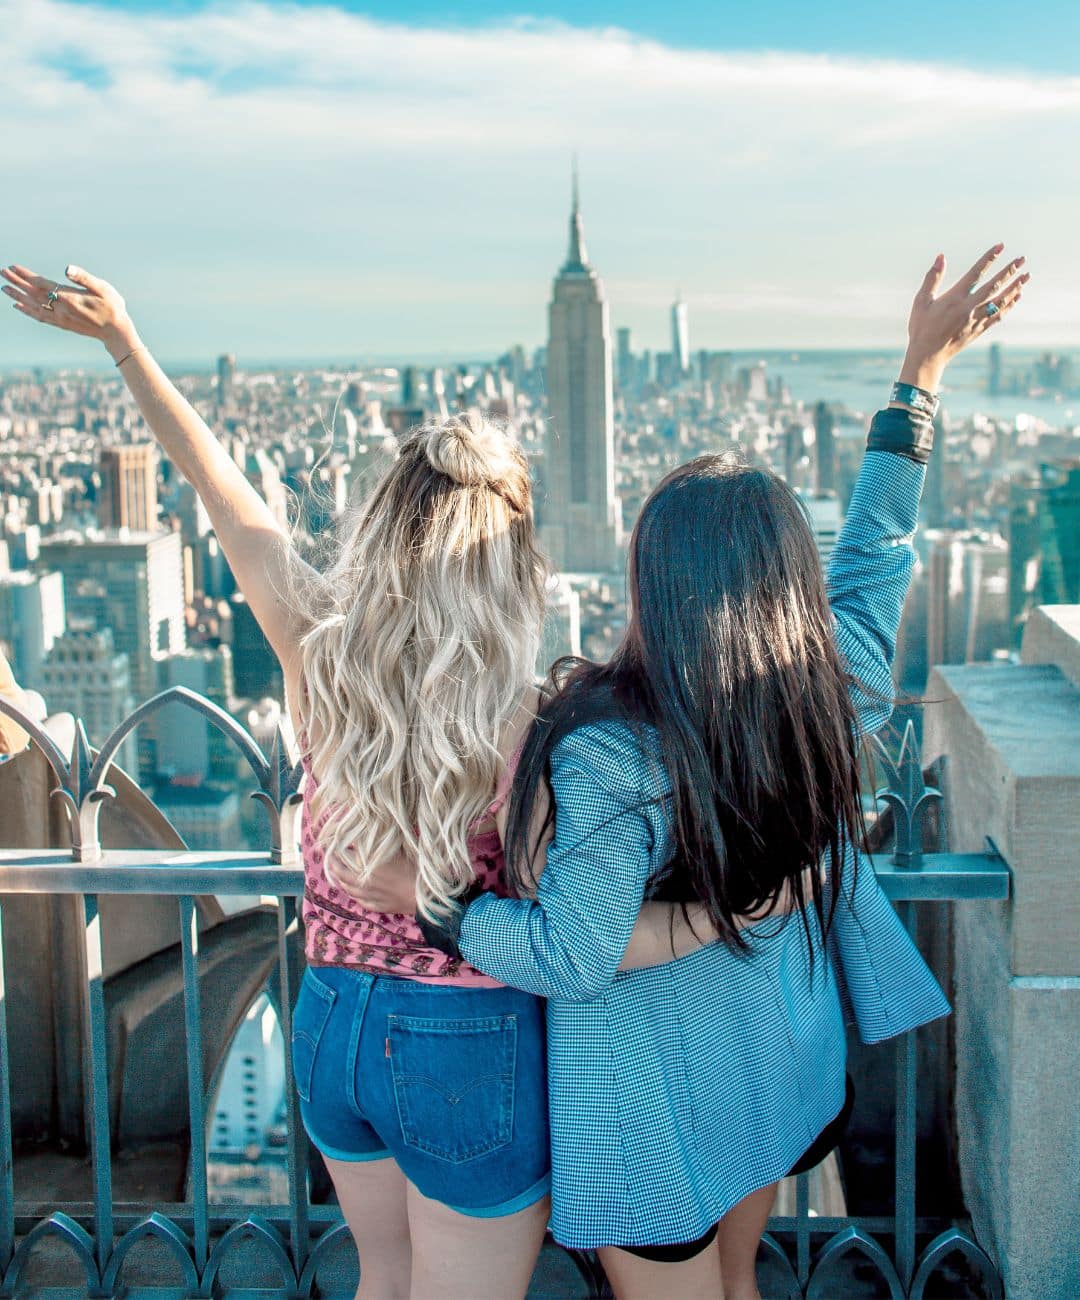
421,638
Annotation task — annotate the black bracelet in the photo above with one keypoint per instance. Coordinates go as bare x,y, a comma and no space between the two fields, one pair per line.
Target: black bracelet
443,934
904,432
920,399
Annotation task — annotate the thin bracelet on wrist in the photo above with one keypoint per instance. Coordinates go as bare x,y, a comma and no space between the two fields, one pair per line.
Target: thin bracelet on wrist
919,399
128,355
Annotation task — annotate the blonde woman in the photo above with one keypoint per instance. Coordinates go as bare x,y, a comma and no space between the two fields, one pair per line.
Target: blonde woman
408,669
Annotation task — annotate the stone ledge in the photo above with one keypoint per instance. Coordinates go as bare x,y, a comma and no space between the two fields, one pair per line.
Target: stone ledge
1052,636
1010,732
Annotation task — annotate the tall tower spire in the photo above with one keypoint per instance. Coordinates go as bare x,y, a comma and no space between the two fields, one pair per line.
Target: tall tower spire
577,259
581,517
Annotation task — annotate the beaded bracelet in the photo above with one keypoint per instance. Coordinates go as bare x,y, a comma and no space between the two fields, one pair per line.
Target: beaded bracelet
917,398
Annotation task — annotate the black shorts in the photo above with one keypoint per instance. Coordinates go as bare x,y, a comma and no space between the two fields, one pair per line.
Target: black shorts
827,1140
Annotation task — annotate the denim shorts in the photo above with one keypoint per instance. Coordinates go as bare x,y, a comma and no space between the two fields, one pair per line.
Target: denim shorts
449,1081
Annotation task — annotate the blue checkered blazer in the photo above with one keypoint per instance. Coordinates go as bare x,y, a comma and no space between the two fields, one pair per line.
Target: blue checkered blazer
677,1090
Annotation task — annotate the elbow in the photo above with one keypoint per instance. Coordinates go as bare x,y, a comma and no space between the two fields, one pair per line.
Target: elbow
586,982
873,719
875,699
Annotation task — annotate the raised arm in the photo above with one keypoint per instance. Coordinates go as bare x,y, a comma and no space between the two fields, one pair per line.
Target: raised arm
870,568
259,551
12,737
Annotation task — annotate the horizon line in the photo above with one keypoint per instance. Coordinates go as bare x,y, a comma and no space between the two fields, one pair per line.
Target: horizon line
438,357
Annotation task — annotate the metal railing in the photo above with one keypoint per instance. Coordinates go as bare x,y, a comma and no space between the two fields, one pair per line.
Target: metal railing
298,1237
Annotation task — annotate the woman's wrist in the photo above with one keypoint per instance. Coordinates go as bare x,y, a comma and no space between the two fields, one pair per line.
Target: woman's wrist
121,339
922,372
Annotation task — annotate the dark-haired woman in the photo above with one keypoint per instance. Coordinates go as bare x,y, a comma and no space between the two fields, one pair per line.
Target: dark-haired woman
714,759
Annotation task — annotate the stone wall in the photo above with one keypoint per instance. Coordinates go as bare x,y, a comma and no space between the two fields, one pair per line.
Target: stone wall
1011,733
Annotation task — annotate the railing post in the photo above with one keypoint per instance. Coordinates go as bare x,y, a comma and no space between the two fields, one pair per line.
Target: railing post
802,1228
906,1060
297,1153
189,939
98,1077
7,1171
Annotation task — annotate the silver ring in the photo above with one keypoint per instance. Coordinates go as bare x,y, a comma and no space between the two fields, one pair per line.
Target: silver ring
992,309
54,295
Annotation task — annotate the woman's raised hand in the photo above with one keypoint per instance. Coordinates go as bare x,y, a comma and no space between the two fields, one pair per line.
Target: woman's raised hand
943,324
85,306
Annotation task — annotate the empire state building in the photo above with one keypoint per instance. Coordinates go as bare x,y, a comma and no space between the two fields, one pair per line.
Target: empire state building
582,516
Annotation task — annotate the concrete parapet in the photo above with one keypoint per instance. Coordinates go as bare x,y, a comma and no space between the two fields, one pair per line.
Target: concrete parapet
1010,736
1052,636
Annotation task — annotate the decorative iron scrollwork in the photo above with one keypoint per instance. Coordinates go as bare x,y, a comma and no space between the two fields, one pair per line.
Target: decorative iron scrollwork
907,794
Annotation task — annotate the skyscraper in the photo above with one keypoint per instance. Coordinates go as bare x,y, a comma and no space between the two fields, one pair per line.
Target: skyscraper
31,619
826,520
226,373
132,584
934,508
84,674
625,357
680,334
825,447
128,487
993,381
582,516
794,444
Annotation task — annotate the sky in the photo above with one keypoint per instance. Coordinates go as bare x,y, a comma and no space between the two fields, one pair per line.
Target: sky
384,180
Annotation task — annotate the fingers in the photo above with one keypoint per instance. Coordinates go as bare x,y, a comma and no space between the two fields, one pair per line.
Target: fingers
36,287
995,286
26,280
26,277
932,278
1004,302
28,307
966,282
78,276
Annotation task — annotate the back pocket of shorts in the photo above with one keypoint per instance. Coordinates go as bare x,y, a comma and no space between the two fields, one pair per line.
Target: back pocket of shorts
454,1083
310,1015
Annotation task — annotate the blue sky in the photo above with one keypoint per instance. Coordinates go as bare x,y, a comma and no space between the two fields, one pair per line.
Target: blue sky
989,34
299,180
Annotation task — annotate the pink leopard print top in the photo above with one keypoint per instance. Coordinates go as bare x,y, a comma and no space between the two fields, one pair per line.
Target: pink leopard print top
339,931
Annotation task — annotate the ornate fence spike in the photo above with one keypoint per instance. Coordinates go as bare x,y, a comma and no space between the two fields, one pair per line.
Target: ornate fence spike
280,794
907,794
73,777
81,781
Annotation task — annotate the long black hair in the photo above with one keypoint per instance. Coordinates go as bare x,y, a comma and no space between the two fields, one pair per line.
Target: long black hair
729,654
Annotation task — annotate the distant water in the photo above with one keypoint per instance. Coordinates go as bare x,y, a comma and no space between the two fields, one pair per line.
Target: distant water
861,381
857,379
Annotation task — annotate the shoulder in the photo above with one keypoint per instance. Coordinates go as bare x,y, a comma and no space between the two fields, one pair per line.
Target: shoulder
622,757
520,723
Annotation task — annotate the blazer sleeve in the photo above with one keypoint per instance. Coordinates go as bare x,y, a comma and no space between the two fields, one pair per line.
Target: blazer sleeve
868,577
568,941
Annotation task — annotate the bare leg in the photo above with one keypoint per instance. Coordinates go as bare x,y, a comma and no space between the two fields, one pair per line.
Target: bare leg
738,1237
459,1257
634,1278
373,1200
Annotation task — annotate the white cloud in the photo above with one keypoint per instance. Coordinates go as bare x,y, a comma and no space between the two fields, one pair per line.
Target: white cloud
393,187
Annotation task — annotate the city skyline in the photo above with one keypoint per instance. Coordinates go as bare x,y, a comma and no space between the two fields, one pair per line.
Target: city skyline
296,183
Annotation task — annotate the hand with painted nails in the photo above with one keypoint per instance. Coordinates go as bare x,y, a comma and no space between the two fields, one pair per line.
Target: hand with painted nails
86,305
943,324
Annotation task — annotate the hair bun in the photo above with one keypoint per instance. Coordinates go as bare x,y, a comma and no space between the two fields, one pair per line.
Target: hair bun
470,450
